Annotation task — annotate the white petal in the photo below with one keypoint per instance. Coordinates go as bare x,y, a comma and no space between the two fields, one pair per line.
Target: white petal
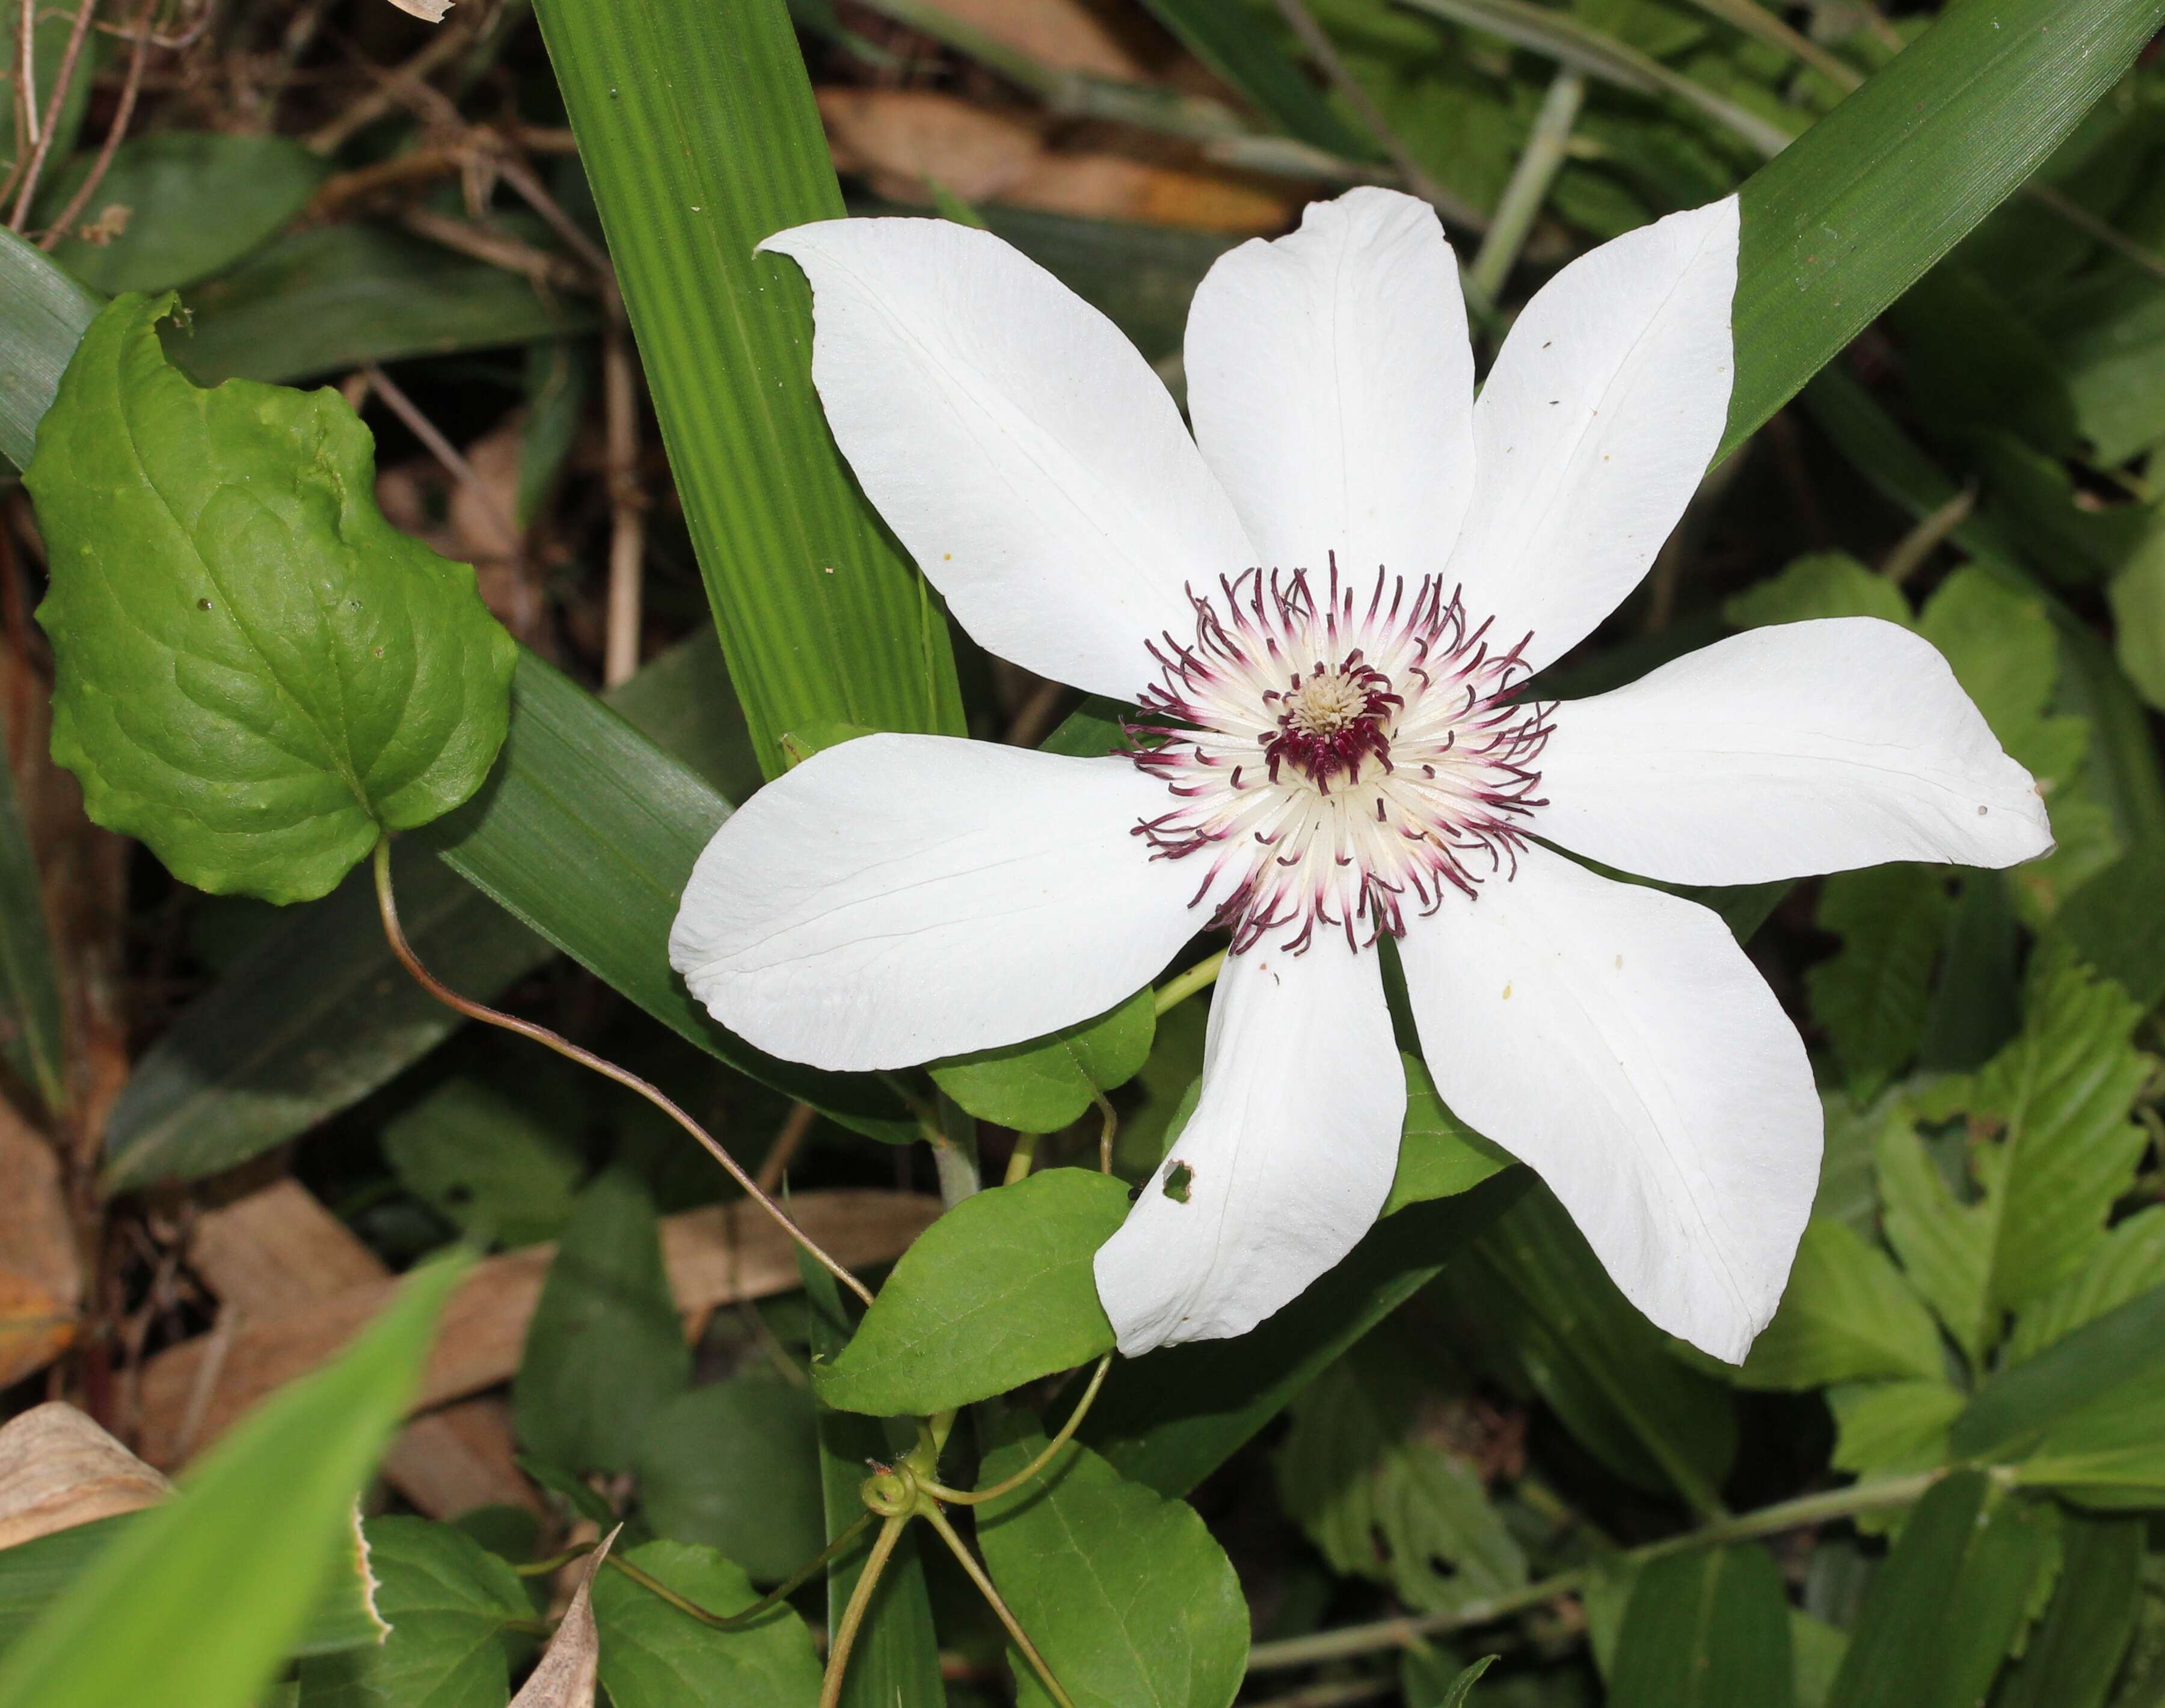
901,897
1808,747
1288,1156
1016,443
1330,382
1605,404
1616,1039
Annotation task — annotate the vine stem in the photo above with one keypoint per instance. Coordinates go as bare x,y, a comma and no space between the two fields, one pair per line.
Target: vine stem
706,1616
963,1497
1178,988
853,1615
387,906
1769,1520
938,1519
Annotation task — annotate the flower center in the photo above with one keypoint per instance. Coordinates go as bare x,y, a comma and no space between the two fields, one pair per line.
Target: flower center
1337,761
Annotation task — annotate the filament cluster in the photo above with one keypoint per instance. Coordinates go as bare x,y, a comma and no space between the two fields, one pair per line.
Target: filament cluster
1331,764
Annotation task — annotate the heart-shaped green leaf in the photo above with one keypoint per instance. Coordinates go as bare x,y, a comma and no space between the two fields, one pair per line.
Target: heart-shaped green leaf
1040,1086
257,674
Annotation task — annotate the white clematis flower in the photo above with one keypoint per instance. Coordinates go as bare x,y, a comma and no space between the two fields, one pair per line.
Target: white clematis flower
1331,595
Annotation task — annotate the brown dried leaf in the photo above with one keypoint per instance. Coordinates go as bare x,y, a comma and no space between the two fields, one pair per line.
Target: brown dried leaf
569,1666
427,11
718,1255
1065,35
40,1280
59,1469
901,140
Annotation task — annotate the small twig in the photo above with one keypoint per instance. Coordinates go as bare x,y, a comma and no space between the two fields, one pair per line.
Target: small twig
61,79
139,53
1531,180
498,249
446,453
391,88
1334,1693
1324,52
1108,1131
516,173
801,1119
627,503
387,907
1922,541
1769,1520
1029,725
683,1603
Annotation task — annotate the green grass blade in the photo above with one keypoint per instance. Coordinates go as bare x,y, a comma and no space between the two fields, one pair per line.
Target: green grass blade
700,138
197,1602
1231,40
1854,212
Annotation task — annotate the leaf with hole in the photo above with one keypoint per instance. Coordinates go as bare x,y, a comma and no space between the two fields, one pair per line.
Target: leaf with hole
257,674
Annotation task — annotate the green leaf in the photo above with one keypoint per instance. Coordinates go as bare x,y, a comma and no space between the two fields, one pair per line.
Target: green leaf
2052,1147
200,1599
2138,617
1886,1429
736,1466
2072,1657
327,301
1829,584
1834,229
1439,1156
1874,994
1848,1315
484,1163
31,1041
821,618
1460,1690
2129,1263
453,1609
34,1576
1168,1421
1705,1630
2000,643
1974,364
1125,1593
996,1293
896,1663
257,675
1040,1087
196,201
1382,1500
654,1656
2085,1417
1604,1370
1950,1601
1231,40
604,1349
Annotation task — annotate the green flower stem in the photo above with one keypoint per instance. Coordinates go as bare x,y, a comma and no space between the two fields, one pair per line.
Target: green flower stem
853,1615
1769,1520
1531,180
938,1519
387,906
1022,1159
962,1497
953,1138
1108,1133
1177,990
